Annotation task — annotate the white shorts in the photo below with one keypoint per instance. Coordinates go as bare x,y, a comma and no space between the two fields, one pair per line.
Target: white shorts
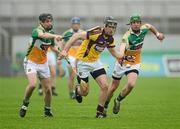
42,70
72,61
51,57
119,70
84,68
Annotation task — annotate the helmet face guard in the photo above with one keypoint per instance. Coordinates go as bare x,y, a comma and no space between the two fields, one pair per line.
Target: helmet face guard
111,24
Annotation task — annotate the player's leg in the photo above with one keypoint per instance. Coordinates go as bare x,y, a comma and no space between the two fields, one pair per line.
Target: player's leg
101,78
118,72
51,56
31,85
71,82
48,95
28,92
114,85
40,90
83,86
82,89
31,73
61,69
53,79
72,74
44,76
131,81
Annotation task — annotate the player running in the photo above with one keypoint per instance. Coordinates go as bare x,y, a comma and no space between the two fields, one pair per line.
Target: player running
35,62
130,47
75,28
88,59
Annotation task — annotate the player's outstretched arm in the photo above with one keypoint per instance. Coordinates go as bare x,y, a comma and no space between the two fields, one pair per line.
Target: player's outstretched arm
116,54
49,36
160,36
74,38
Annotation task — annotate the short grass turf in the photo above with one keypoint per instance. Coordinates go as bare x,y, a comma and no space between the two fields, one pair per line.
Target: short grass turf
153,104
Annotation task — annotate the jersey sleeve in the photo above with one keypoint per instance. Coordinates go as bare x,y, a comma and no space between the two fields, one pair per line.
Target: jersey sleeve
67,36
146,26
35,33
111,44
125,38
92,36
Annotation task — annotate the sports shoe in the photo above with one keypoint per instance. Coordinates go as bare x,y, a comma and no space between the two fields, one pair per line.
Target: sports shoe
23,109
116,106
100,115
47,112
78,97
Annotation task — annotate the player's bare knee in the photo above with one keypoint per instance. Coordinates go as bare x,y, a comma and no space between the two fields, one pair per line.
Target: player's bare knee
85,93
114,85
131,85
32,85
53,74
105,87
113,88
48,90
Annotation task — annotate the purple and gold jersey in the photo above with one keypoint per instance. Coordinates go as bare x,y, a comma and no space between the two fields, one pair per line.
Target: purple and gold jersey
91,48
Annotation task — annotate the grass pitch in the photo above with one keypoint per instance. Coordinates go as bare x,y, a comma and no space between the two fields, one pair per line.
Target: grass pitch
153,104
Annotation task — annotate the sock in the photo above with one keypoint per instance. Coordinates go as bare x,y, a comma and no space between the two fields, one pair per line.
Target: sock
120,98
106,104
25,102
100,109
47,109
